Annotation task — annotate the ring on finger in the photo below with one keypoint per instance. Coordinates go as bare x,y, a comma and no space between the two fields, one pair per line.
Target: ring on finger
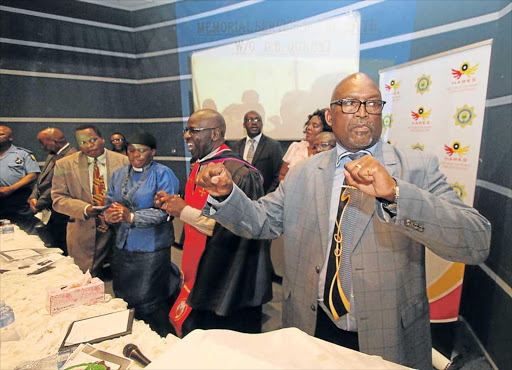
359,166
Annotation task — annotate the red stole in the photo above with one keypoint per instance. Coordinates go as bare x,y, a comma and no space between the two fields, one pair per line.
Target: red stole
193,248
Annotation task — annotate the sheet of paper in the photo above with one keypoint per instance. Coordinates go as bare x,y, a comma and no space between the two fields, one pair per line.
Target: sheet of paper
20,254
98,327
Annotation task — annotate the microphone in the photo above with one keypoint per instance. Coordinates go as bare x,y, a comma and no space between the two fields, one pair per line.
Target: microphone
133,352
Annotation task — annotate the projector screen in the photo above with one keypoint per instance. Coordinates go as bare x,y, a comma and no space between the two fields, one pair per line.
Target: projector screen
284,75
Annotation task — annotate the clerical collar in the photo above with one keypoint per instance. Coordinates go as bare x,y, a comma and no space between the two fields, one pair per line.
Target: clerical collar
136,169
61,149
341,152
213,153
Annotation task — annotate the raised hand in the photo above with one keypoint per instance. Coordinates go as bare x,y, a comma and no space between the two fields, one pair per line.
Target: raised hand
216,179
369,176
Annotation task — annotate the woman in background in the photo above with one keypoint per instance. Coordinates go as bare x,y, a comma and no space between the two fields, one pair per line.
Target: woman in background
301,150
118,142
142,272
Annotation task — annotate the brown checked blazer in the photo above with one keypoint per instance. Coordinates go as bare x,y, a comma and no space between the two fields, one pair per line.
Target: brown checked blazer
388,260
71,192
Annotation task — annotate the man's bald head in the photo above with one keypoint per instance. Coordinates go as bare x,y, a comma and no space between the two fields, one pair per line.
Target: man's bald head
359,79
6,138
357,129
205,132
52,139
210,116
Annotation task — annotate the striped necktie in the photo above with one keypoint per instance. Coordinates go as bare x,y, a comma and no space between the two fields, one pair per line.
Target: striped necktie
98,186
338,281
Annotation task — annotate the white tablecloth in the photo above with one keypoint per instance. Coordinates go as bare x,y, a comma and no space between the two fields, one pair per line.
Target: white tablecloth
39,334
281,349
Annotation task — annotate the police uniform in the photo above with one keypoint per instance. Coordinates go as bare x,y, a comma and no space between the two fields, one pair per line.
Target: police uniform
15,164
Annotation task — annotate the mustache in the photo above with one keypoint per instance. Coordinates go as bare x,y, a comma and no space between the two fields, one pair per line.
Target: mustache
361,123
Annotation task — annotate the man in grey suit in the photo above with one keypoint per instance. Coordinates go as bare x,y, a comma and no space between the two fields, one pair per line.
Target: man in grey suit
406,205
261,151
88,237
53,233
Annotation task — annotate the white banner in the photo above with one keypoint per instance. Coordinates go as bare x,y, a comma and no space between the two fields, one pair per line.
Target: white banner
284,76
437,104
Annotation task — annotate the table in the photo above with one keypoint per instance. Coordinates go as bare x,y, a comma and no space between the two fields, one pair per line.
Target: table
41,334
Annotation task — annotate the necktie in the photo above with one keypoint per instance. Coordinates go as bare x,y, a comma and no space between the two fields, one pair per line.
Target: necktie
338,281
98,186
250,152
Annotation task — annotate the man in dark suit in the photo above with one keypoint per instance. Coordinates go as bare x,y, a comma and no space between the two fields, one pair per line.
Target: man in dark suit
54,142
261,151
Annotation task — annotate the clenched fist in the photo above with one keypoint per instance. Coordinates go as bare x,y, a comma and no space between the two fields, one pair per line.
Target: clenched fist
369,176
216,179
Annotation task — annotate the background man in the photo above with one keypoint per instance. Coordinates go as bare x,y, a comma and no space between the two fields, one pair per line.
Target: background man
261,151
323,142
54,142
79,190
374,297
18,169
228,277
118,142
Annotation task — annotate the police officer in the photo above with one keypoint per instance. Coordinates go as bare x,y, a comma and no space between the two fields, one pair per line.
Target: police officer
18,170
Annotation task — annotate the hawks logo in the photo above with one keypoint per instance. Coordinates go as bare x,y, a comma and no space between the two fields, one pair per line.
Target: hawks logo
459,189
418,146
423,84
181,308
393,85
464,116
464,70
456,148
421,113
387,120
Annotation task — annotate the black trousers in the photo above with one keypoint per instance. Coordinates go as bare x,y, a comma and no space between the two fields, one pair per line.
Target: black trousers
246,320
16,209
327,330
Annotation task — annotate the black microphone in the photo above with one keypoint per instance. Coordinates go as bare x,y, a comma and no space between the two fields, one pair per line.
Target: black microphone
133,352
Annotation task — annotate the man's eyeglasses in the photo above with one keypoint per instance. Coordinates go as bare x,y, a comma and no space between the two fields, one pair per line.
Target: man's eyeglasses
194,130
350,106
90,141
322,146
255,119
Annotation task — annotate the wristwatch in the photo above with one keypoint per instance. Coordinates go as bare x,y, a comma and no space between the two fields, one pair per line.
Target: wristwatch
391,206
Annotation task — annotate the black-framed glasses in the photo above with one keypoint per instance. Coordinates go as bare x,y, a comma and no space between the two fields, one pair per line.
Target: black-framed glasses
322,146
255,119
350,106
196,130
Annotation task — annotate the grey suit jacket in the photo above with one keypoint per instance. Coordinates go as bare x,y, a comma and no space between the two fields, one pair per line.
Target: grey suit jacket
71,192
268,159
42,188
388,261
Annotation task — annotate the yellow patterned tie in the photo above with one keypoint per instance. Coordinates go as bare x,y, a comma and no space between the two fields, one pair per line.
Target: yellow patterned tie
98,186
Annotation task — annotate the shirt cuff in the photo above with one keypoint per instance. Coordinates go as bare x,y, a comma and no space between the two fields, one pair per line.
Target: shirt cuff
193,217
85,212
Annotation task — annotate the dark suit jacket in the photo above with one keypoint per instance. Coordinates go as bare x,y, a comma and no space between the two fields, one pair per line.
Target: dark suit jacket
43,187
268,158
